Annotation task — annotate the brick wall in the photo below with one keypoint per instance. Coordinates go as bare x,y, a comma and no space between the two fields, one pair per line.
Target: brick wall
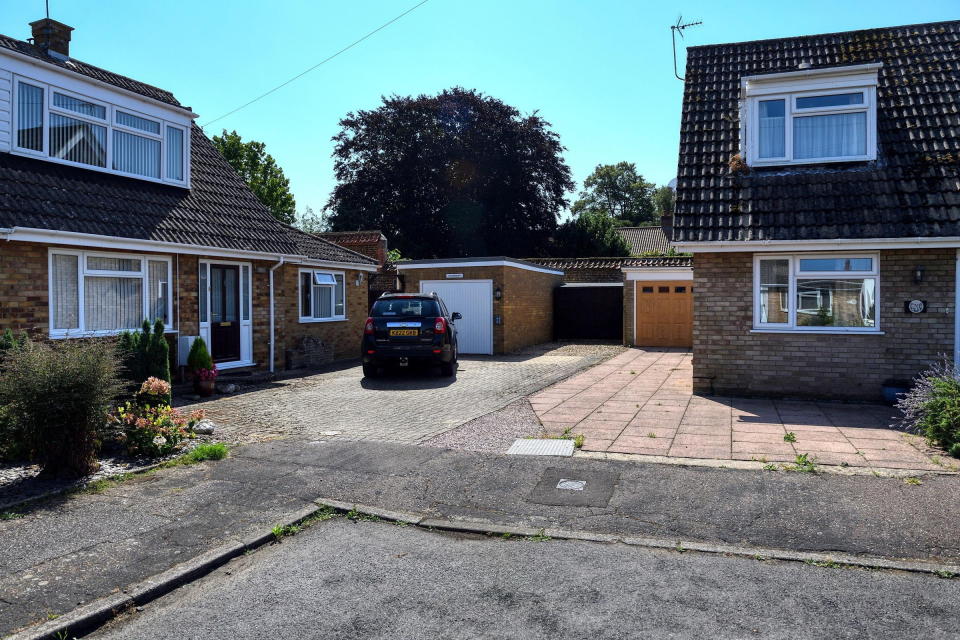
23,288
728,358
526,309
593,275
629,295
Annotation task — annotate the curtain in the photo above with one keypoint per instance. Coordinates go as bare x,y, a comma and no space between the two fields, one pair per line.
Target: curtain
322,297
136,154
102,263
79,106
174,153
63,296
30,117
245,292
338,296
204,291
772,129
112,303
830,136
158,289
774,288
78,141
136,122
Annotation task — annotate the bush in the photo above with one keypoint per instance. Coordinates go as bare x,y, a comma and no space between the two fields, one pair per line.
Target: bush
59,397
13,440
932,407
199,357
151,427
146,354
9,342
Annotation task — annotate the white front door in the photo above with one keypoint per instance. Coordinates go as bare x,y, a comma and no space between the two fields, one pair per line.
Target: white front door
473,299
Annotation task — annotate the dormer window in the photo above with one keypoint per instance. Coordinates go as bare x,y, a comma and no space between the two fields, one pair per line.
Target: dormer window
810,117
80,130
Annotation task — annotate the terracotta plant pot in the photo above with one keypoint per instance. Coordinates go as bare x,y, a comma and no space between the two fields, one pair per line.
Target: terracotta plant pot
204,388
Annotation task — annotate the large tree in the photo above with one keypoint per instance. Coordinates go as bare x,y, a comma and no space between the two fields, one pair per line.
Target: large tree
261,173
620,192
590,234
455,174
663,200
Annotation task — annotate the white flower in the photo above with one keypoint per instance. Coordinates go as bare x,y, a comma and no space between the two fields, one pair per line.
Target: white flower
159,441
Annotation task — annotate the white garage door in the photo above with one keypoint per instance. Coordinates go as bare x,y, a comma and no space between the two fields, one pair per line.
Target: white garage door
473,299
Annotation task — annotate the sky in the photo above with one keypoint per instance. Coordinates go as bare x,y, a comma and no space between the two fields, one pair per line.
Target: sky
600,71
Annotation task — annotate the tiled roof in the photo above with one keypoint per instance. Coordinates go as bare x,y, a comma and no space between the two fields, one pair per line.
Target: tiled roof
352,237
570,264
6,42
911,190
644,239
218,211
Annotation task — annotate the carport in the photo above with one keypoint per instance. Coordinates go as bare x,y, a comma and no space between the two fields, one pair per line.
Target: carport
507,304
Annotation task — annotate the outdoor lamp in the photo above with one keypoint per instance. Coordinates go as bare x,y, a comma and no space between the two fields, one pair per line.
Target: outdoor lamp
359,279
918,274
497,293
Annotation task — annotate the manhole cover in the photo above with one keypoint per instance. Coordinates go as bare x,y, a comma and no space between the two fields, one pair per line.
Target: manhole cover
571,485
545,447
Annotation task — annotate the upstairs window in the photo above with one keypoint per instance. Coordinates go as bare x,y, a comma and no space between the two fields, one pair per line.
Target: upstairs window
809,119
82,131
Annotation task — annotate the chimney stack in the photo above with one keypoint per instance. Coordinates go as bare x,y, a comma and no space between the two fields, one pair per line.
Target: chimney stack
52,36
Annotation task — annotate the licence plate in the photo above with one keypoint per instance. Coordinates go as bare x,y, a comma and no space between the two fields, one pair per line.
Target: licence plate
404,332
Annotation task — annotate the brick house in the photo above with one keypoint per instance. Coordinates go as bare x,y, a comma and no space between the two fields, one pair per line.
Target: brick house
819,191
373,244
115,207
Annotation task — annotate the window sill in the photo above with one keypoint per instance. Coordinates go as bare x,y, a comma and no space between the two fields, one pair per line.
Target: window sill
236,364
319,320
761,164
829,332
73,333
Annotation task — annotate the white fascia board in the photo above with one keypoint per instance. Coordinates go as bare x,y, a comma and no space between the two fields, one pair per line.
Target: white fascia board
114,243
639,273
491,263
30,67
591,284
807,78
757,246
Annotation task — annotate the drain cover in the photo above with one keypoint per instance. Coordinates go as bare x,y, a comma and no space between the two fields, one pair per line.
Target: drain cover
571,485
545,447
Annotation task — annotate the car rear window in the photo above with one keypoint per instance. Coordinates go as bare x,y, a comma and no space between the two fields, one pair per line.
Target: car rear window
405,307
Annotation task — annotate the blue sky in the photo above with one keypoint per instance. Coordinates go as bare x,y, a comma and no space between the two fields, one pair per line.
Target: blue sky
600,71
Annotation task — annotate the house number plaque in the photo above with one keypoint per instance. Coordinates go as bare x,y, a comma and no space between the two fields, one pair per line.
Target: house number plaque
915,306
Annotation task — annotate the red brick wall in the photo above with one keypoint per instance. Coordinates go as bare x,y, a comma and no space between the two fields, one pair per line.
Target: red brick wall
728,358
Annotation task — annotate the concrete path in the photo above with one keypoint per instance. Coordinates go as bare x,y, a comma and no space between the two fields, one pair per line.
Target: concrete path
408,407
57,555
346,580
641,402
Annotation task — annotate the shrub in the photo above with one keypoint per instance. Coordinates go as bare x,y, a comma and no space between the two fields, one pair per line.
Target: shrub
199,357
59,396
932,407
153,430
146,354
8,341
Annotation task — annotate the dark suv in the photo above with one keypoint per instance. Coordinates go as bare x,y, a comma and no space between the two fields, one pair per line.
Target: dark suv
409,328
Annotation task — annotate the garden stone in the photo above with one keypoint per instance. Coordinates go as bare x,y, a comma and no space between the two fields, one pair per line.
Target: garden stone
227,388
205,427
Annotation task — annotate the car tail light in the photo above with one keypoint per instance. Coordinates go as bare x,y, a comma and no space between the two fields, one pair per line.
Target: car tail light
440,326
368,328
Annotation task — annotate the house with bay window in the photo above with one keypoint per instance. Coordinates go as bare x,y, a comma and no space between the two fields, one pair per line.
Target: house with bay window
115,208
819,192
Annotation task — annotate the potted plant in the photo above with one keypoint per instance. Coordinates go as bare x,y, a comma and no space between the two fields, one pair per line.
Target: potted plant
202,368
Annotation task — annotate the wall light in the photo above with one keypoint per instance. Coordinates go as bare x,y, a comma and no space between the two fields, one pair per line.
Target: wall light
359,280
918,274
497,293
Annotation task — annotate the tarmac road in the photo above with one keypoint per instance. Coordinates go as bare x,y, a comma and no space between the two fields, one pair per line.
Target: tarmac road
346,579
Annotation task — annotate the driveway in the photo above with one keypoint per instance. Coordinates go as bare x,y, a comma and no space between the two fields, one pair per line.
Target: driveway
409,407
641,402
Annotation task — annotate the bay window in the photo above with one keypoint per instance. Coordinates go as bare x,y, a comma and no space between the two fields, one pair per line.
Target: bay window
94,293
55,124
809,292
322,295
803,118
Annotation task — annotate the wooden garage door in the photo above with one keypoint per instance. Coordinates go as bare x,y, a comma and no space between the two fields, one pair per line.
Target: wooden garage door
664,314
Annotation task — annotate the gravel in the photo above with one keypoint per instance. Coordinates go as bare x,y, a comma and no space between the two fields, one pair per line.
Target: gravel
494,432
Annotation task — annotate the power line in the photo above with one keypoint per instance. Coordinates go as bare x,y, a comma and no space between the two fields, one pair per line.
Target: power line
322,62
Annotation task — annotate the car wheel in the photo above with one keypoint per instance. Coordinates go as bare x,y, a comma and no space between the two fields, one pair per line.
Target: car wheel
370,371
447,369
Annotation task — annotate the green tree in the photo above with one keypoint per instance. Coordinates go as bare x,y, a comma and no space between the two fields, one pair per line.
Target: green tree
663,200
618,191
312,222
261,173
590,234
450,175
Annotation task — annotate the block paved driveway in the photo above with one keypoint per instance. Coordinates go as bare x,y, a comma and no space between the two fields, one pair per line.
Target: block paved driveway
641,402
406,408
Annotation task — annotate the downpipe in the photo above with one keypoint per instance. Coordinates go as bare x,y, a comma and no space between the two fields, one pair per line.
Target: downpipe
272,313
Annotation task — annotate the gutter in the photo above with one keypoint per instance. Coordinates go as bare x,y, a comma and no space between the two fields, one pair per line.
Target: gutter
272,321
6,232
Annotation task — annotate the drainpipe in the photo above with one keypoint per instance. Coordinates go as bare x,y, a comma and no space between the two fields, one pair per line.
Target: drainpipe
272,329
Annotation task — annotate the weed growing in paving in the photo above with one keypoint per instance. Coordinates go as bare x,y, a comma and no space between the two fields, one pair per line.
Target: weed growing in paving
946,575
280,531
10,515
651,435
356,516
540,536
578,441
912,481
827,564
770,467
802,464
790,436
203,452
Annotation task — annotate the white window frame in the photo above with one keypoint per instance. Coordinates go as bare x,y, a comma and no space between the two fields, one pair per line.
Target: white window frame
110,123
790,86
82,271
795,274
333,293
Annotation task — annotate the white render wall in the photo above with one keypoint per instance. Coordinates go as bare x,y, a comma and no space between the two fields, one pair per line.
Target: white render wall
6,100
